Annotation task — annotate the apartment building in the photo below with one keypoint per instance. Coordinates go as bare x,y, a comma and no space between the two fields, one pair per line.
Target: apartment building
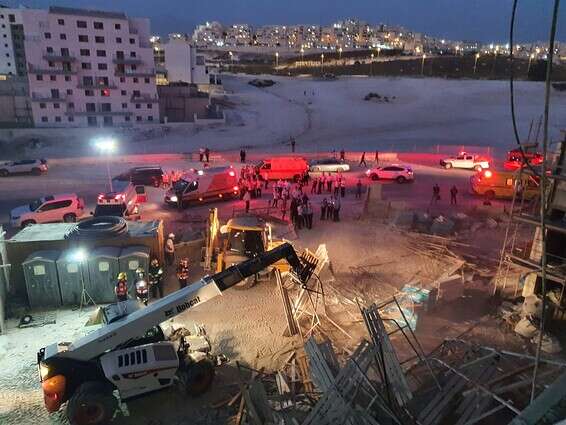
12,52
87,68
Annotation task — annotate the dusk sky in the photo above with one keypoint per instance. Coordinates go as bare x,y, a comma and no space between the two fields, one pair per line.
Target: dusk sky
484,20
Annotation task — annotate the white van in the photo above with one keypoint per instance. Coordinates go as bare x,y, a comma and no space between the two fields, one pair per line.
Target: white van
199,186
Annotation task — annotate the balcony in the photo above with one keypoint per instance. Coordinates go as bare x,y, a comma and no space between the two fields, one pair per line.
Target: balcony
38,97
127,61
149,73
144,98
99,86
54,57
32,69
97,111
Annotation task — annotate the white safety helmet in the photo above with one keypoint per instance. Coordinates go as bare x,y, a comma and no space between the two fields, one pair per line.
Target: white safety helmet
171,235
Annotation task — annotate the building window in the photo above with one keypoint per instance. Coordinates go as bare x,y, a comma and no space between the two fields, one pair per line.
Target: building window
149,106
70,92
71,119
146,80
123,92
91,121
53,78
98,26
65,52
89,92
105,93
61,21
3,26
39,77
122,79
108,122
124,106
86,65
47,35
150,118
12,18
81,24
135,80
138,105
63,36
134,67
117,26
132,54
90,107
101,53
127,118
83,38
85,52
56,106
132,41
49,49
102,66
44,119
7,55
138,118
71,105
200,60
106,107
136,93
119,40
67,78
42,105
57,119
99,39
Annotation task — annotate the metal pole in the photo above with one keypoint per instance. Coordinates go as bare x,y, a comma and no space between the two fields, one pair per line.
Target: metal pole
108,172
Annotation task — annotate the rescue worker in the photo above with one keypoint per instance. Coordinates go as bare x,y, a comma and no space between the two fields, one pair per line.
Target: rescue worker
323,207
207,154
155,273
453,193
242,156
363,160
183,272
435,194
342,187
342,155
121,288
170,249
246,199
142,290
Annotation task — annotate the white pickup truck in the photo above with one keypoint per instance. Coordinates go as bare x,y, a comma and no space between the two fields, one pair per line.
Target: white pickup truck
465,160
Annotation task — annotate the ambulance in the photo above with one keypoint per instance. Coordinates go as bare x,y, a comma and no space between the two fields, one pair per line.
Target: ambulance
282,167
197,186
500,184
123,201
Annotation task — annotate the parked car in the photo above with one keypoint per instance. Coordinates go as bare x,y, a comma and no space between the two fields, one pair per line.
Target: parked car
465,160
146,176
328,165
24,166
399,173
49,209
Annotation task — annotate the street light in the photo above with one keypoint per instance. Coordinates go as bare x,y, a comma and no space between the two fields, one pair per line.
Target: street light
378,51
302,54
371,64
231,57
276,59
422,64
106,146
477,56
531,57
322,62
340,53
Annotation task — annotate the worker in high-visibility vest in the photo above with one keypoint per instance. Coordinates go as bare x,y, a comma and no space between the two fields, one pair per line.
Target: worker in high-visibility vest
121,288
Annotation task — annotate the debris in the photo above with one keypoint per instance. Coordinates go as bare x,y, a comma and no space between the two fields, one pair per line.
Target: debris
441,226
261,83
526,328
39,320
549,343
491,223
476,226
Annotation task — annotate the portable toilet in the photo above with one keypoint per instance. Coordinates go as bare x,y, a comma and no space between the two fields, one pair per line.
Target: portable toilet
103,271
73,275
42,283
131,258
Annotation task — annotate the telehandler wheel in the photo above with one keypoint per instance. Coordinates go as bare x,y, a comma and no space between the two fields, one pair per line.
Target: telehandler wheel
198,377
92,404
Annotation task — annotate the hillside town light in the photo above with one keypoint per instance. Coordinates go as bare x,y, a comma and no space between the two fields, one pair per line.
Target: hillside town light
322,62
422,64
106,146
476,57
340,53
231,57
302,54
378,51
276,58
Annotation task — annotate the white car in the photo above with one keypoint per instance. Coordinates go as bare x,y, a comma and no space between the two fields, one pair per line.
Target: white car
399,173
328,165
49,209
467,161
24,166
